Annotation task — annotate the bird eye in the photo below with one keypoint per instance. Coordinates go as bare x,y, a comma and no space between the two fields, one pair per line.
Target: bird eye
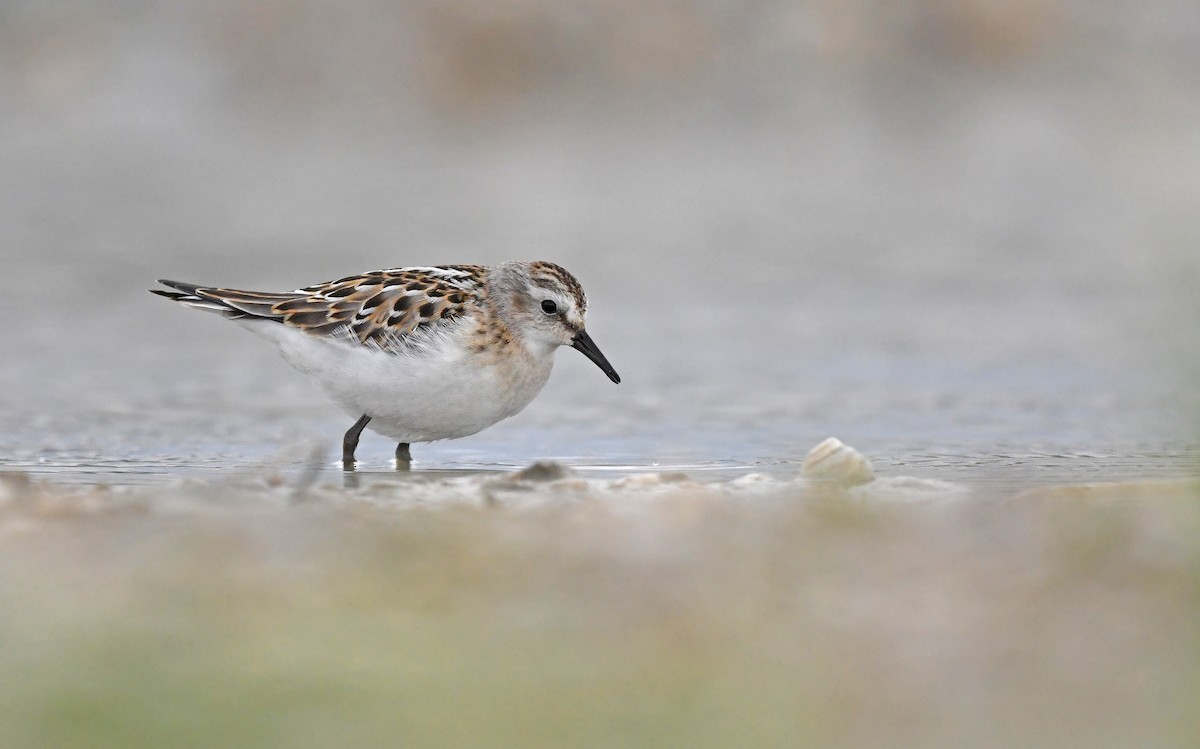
549,307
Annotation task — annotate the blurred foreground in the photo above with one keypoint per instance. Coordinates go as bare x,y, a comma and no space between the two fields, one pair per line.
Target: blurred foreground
664,613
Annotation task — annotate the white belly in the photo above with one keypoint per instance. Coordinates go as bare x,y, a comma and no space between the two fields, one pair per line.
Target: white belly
438,393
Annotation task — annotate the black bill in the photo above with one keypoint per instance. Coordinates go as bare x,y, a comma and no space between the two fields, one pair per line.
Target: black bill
583,342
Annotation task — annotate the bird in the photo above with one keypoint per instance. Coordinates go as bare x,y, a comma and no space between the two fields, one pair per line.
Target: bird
420,353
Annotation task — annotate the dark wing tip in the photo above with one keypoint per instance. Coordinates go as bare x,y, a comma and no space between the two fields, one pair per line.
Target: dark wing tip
187,288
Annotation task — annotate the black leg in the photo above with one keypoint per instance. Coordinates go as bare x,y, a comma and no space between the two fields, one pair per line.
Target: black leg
350,442
403,457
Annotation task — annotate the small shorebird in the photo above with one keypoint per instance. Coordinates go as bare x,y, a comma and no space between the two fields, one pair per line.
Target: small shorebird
422,353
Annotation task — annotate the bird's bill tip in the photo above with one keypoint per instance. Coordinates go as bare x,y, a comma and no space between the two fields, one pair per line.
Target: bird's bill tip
585,345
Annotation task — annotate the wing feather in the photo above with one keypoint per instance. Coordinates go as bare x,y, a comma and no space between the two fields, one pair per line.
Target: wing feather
381,309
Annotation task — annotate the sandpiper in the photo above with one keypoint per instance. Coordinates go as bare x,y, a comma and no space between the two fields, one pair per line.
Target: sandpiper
422,353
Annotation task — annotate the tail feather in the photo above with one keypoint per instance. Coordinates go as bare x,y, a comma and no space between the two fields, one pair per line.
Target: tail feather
174,296
186,288
233,304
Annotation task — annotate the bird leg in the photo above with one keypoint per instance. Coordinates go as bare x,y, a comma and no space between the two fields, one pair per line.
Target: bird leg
403,457
350,442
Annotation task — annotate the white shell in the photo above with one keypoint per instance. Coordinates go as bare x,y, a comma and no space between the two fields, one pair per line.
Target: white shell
837,462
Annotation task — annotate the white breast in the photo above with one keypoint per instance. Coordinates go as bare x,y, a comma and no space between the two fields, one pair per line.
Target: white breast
438,391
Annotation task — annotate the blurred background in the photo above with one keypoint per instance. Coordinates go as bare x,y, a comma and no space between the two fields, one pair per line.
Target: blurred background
958,234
